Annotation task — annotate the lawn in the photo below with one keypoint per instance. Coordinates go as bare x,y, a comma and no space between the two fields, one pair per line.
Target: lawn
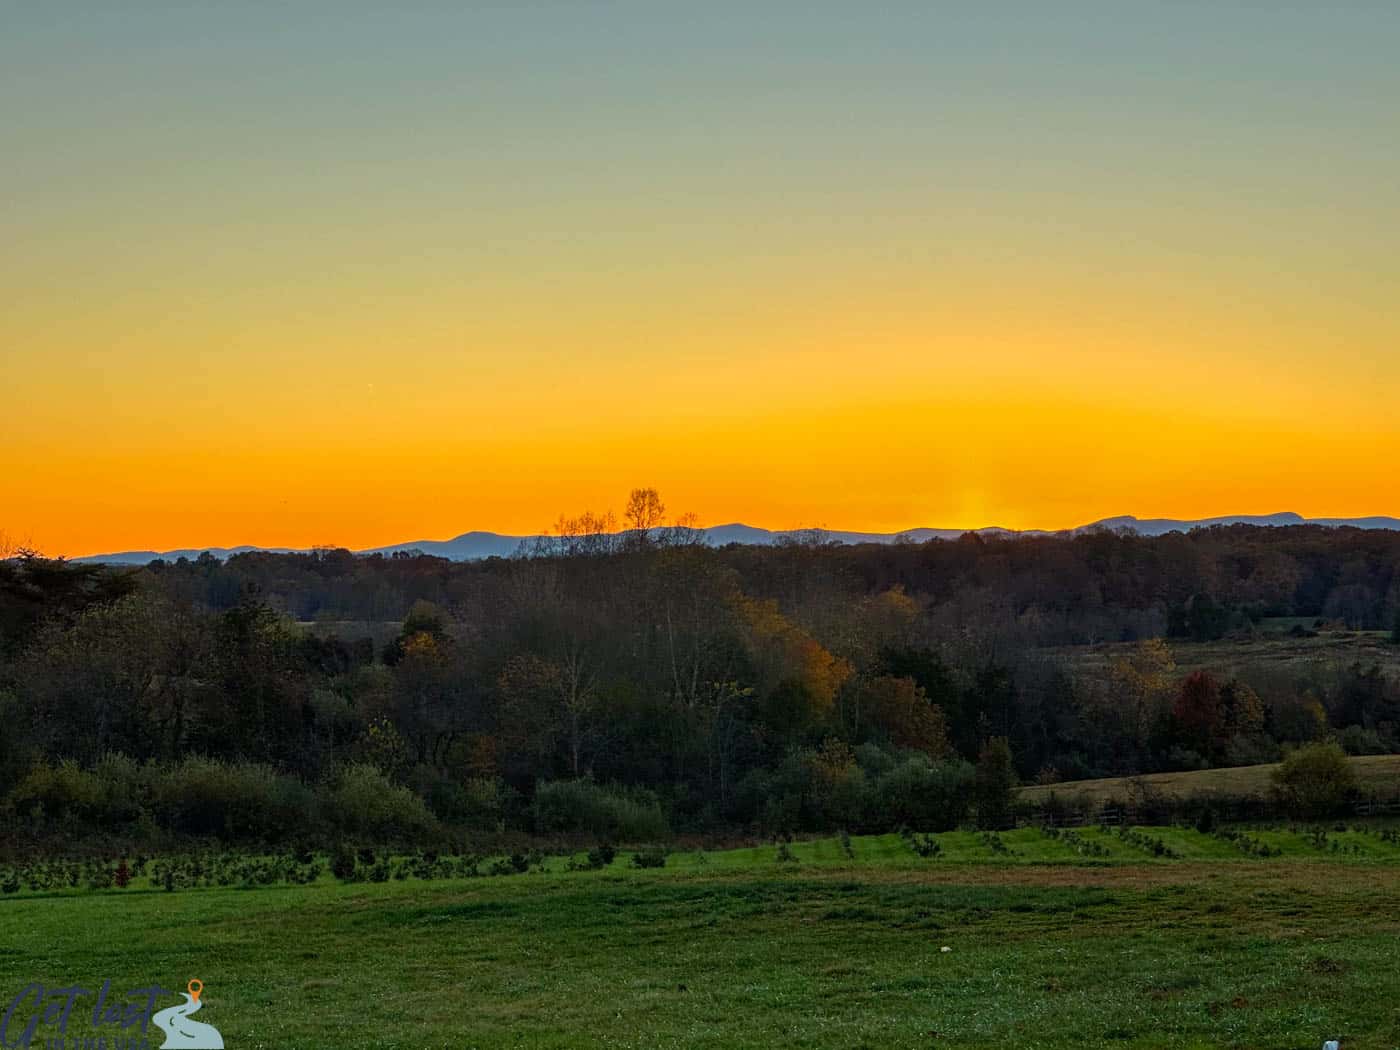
1046,948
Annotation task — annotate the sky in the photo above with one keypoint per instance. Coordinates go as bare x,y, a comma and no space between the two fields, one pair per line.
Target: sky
352,274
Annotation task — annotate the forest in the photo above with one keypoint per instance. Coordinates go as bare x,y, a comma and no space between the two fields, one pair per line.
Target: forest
635,685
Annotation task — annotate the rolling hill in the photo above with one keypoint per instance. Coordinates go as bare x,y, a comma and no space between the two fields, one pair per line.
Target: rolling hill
470,546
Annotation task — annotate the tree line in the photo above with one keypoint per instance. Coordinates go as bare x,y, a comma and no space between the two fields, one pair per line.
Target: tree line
625,683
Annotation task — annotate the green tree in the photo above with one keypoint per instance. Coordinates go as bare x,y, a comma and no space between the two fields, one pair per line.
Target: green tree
994,784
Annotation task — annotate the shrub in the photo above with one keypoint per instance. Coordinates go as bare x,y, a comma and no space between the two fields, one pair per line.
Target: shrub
58,792
1251,749
1205,822
233,800
921,793
1356,740
654,857
846,846
482,803
123,787
925,845
1315,780
601,856
363,801
1184,758
838,788
614,814
343,863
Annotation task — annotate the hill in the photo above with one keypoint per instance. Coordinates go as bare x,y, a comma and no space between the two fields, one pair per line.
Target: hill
1378,773
471,546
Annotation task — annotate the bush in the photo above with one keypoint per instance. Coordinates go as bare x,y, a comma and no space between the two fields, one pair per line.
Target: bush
491,804
343,863
1251,749
481,804
1315,781
123,787
1356,740
233,800
599,857
1183,758
1206,821
58,792
921,793
363,801
655,857
924,845
614,814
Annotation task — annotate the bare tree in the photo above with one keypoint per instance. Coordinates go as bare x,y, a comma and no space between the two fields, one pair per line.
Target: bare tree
10,547
586,533
645,511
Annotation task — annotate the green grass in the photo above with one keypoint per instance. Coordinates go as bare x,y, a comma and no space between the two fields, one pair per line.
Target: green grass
1216,948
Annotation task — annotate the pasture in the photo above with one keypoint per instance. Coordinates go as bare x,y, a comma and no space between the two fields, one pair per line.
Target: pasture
1378,774
1149,938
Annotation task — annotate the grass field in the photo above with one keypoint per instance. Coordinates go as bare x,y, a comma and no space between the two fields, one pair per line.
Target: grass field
1329,649
1048,948
1377,773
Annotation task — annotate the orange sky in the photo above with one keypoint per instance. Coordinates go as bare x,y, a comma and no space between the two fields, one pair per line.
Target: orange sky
367,280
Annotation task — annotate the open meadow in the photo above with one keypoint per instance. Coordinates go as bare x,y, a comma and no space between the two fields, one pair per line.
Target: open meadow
1378,774
1147,937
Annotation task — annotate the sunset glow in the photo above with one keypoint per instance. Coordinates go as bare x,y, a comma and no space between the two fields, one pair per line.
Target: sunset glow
352,276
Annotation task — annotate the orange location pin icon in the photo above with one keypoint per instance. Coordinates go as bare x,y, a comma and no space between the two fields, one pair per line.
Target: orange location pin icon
196,986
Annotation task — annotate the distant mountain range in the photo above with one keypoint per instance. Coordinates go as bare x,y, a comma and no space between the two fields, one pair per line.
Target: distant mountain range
474,545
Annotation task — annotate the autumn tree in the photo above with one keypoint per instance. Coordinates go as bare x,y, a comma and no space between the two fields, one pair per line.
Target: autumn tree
800,677
1197,712
1124,712
1241,708
897,711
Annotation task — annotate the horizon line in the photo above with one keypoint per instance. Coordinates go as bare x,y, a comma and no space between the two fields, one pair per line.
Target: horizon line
790,530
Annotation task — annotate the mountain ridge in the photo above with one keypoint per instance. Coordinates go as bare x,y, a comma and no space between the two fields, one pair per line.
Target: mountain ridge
477,543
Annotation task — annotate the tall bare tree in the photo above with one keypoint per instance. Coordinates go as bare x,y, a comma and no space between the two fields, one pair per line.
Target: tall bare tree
645,511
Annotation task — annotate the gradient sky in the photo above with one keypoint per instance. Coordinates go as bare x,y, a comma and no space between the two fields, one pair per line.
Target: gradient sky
349,274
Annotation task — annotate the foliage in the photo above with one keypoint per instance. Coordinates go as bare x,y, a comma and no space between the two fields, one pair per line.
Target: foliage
606,813
800,687
363,801
654,857
994,784
1314,781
